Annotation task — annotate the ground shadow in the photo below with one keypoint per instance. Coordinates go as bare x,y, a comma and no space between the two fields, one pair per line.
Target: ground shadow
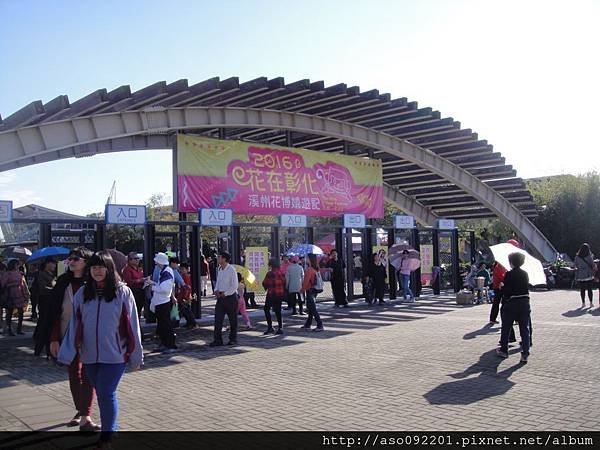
468,390
576,312
486,329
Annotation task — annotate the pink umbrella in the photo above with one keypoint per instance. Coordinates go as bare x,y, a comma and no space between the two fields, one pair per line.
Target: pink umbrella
396,256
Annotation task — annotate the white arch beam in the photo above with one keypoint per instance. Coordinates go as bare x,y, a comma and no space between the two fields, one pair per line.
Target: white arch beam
31,142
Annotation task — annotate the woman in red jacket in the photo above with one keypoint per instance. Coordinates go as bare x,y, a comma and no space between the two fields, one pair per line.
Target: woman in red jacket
498,273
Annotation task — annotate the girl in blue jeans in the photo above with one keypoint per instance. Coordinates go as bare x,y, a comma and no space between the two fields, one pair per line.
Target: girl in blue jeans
105,330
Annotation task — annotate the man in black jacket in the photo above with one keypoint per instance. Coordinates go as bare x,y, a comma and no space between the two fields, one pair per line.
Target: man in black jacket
378,276
516,307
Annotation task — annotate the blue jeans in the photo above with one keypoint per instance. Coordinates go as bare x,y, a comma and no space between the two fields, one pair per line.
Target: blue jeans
105,379
406,286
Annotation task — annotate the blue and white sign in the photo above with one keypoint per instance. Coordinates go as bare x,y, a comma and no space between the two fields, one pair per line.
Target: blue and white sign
6,212
125,214
404,222
446,224
210,217
294,220
355,221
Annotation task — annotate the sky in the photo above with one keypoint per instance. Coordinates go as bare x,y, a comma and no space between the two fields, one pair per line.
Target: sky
522,74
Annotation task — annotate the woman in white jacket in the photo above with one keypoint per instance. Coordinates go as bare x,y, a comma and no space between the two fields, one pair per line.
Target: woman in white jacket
161,304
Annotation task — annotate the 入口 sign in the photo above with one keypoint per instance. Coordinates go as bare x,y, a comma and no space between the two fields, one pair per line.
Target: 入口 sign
210,217
6,207
403,222
126,214
294,220
446,224
355,221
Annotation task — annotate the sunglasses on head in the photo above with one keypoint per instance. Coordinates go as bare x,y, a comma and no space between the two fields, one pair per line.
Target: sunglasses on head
75,258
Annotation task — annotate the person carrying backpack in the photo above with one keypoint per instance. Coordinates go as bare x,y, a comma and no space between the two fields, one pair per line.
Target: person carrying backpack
311,286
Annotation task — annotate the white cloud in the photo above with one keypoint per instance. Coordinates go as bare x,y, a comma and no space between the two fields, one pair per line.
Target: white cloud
21,198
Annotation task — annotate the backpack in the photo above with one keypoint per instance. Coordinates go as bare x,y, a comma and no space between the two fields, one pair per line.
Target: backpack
318,285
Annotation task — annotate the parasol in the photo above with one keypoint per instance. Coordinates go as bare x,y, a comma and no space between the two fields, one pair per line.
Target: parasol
303,250
47,252
396,256
532,265
247,276
119,258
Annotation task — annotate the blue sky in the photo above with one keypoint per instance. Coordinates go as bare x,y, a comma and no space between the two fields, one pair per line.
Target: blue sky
524,75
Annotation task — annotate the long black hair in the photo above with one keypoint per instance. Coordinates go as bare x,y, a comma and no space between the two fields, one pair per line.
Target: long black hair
111,281
584,251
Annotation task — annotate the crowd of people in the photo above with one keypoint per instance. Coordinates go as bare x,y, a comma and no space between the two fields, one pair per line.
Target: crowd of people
88,318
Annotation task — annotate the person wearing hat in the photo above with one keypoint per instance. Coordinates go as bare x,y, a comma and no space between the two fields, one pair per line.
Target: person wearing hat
161,304
294,277
133,276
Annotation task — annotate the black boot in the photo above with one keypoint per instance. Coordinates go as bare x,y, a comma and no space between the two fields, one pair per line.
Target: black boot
19,327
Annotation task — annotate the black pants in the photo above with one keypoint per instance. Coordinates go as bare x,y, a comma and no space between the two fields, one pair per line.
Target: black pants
378,291
34,304
226,305
495,305
293,299
9,314
517,310
43,328
186,312
586,286
140,300
164,329
275,303
339,294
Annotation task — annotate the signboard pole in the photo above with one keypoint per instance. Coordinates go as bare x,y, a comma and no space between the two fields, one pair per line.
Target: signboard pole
417,273
175,191
436,260
392,270
455,261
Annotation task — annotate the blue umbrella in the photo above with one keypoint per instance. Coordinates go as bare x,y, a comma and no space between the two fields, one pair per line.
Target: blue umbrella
303,250
48,252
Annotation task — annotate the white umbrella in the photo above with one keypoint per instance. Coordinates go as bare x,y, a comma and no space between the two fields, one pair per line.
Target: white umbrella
532,266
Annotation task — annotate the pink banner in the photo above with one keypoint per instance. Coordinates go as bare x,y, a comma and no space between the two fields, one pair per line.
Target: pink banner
269,180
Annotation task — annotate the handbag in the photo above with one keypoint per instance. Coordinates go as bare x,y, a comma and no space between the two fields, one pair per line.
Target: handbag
175,312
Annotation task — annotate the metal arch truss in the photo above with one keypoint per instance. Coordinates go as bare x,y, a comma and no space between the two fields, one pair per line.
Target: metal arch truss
150,127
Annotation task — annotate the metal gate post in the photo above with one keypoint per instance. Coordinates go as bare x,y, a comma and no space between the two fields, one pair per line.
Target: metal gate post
236,245
436,260
455,261
195,244
417,273
473,245
149,248
275,243
100,236
391,269
182,241
349,257
45,235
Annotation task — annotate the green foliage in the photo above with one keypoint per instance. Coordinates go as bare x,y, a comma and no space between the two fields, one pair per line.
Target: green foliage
569,209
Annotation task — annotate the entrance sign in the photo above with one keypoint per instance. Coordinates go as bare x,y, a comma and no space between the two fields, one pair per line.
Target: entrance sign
446,224
270,180
355,221
216,217
294,220
404,222
6,211
125,214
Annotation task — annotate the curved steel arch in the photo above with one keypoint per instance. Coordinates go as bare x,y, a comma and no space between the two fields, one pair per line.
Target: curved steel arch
29,143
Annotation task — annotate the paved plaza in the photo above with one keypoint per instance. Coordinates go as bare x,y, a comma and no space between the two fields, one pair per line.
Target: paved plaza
423,366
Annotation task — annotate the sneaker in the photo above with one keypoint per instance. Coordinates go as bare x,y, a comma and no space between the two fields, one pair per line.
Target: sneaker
318,329
269,331
501,353
524,358
89,427
215,344
279,331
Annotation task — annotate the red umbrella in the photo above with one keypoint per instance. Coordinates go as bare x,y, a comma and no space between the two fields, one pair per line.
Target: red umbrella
119,258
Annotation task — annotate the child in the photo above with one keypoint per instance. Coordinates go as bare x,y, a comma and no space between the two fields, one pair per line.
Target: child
184,296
